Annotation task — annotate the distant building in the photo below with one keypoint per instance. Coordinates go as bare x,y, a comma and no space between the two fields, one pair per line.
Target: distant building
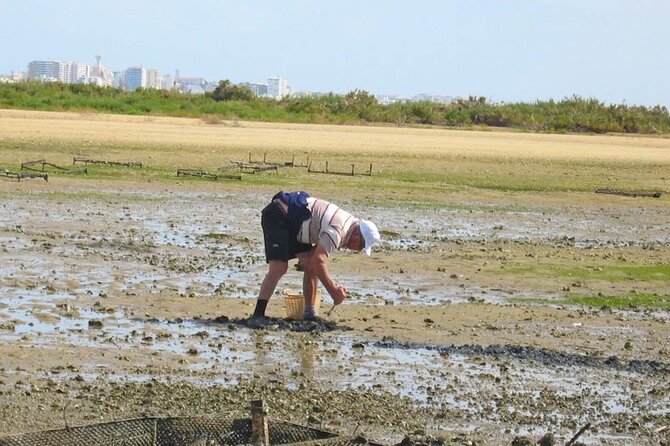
169,82
11,78
432,98
79,73
70,72
302,94
257,89
194,85
278,88
58,71
210,87
192,89
153,79
44,70
387,99
82,73
104,78
118,79
134,78
101,75
191,85
139,77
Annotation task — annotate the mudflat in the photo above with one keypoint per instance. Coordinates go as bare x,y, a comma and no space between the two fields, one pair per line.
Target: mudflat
486,314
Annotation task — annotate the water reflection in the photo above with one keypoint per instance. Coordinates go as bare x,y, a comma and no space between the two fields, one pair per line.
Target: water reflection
306,355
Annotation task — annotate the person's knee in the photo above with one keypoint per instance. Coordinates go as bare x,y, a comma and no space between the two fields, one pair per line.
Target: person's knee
278,268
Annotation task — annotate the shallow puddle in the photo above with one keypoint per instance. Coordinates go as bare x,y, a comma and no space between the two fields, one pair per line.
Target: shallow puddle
463,378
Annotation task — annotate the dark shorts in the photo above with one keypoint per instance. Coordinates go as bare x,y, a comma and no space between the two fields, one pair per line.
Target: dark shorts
280,238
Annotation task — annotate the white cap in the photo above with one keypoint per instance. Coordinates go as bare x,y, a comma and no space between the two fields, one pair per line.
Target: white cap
370,235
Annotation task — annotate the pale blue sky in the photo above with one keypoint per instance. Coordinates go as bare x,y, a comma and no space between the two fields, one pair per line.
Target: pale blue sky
516,50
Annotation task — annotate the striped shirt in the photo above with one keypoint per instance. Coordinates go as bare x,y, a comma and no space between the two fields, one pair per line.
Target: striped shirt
328,227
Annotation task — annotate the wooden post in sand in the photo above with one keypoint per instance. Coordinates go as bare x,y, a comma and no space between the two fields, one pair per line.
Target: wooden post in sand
260,434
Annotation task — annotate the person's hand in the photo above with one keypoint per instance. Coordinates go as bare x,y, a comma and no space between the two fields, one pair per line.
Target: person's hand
339,295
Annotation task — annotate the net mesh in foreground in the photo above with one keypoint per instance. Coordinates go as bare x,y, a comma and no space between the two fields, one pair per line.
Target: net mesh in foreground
176,431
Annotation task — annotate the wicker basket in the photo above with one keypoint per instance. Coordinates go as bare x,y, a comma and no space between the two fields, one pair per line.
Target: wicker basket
295,305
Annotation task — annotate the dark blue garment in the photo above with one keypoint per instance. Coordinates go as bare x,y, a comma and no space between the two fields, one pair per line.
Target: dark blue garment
297,207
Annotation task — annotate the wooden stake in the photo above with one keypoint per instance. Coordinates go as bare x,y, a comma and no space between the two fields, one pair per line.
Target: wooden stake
260,434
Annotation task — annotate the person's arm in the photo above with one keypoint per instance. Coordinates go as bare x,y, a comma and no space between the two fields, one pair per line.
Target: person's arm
316,264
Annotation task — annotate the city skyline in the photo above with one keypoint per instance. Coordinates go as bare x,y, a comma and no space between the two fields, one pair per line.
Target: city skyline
514,51
134,77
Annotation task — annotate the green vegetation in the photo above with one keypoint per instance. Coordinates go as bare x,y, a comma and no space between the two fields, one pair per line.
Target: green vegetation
226,91
632,300
628,301
611,273
228,101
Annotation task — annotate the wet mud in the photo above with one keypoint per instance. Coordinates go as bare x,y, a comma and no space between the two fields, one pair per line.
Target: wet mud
539,355
118,302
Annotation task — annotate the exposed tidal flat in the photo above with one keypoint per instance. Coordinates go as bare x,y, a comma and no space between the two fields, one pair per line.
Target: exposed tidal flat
507,298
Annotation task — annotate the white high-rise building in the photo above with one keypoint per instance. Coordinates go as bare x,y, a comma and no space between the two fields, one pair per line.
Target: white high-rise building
55,70
79,72
278,88
154,79
257,89
169,82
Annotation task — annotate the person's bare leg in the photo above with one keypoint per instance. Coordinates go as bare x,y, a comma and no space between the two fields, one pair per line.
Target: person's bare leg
276,270
310,285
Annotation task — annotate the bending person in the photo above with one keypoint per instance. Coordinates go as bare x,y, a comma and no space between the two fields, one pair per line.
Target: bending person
296,225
